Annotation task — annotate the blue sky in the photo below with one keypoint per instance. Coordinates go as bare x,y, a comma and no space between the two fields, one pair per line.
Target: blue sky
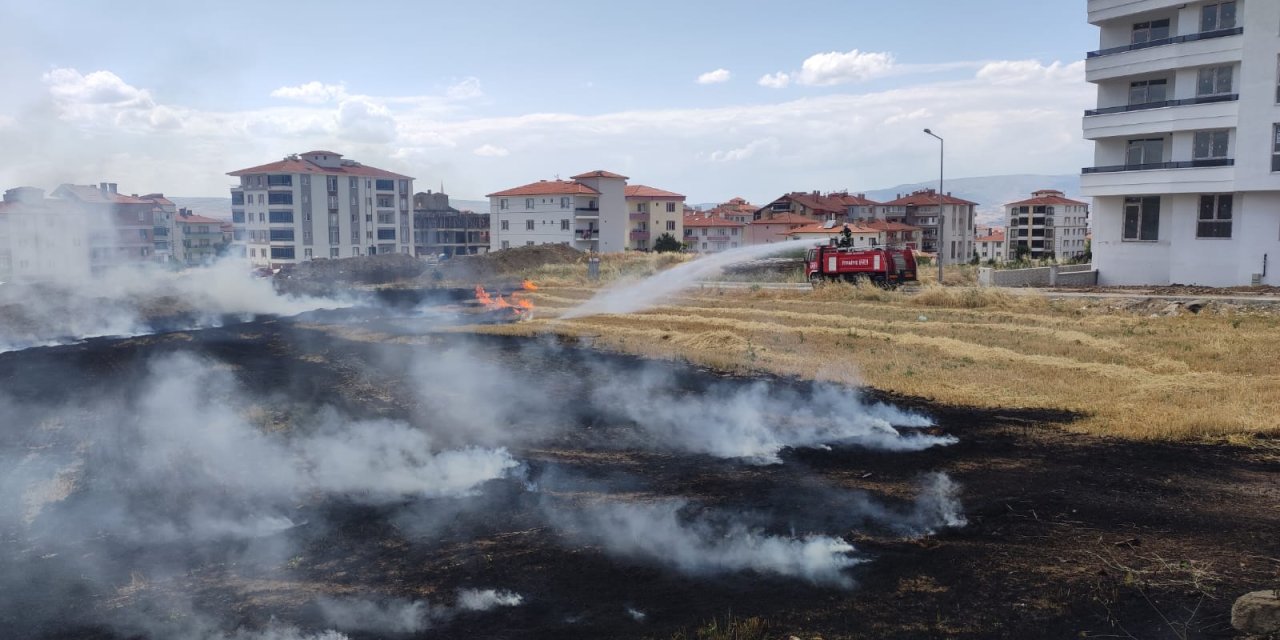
487,94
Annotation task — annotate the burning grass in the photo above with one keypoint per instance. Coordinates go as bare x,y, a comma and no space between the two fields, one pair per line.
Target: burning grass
1130,375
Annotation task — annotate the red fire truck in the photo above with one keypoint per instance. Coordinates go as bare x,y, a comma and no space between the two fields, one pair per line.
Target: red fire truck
883,266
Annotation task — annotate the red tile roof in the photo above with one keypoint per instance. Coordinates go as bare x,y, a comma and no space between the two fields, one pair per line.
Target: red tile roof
599,173
298,165
997,236
1046,197
642,191
157,198
705,221
194,219
785,218
821,228
548,188
926,198
834,202
885,225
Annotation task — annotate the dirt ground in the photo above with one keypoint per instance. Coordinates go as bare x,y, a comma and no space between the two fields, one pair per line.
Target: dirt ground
1068,535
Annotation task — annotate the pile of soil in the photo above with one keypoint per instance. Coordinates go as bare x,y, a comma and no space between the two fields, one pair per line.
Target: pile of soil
322,277
509,262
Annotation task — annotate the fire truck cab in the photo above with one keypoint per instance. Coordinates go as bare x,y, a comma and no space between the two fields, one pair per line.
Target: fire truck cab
882,266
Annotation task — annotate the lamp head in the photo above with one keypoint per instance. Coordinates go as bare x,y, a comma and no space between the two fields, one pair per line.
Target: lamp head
928,132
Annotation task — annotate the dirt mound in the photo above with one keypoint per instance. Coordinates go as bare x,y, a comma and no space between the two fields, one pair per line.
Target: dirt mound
509,262
319,277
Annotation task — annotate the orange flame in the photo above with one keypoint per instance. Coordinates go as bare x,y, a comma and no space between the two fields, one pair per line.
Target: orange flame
500,303
529,285
525,304
483,296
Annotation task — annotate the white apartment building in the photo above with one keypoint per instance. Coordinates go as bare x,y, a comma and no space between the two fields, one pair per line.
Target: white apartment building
992,246
318,205
1186,176
706,233
1048,224
920,209
653,212
587,212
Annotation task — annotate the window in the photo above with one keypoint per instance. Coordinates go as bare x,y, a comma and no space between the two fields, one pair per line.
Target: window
237,198
331,184
528,203
282,253
385,185
386,217
505,225
259,198
564,203
1218,16
671,225
282,235
528,243
1149,31
1213,81
386,234
671,207
528,225
502,204
1145,91
506,245
306,253
281,217
1145,151
237,217
333,236
280,181
1210,145
1275,147
333,252
1215,217
278,197
386,201
1142,219
564,225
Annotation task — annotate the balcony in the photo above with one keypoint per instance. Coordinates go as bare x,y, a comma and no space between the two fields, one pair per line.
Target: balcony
1185,164
638,215
1165,54
1231,97
586,234
639,235
1191,114
1105,10
1194,176
586,212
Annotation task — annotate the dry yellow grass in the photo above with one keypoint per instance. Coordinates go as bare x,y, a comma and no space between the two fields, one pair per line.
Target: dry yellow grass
1131,376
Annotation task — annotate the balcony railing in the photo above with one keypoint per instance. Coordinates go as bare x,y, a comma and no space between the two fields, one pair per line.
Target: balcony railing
639,235
1186,164
1191,37
586,235
587,211
1143,106
638,215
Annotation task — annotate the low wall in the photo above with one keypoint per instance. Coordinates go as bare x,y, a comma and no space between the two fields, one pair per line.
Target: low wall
1072,275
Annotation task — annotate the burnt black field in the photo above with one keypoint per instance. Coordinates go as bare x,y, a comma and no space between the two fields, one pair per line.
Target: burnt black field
1048,516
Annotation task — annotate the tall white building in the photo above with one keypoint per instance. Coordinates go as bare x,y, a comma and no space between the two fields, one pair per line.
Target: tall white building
318,205
1048,224
1186,176
587,212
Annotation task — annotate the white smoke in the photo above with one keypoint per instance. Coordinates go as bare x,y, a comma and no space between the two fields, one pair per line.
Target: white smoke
397,616
486,599
630,297
757,421
657,532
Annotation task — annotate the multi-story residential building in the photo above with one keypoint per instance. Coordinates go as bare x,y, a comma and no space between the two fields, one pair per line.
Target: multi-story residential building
441,230
920,209
587,212
1186,175
44,239
774,227
1047,226
712,234
121,228
991,244
653,212
162,227
197,240
837,205
318,205
860,236
736,209
895,234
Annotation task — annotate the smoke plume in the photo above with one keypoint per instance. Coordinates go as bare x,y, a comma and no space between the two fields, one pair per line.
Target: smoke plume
486,599
397,616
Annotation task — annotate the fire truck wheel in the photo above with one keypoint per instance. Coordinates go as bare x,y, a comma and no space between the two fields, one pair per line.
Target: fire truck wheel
815,280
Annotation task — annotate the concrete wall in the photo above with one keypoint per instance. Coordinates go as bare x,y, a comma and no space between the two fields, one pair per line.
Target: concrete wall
1075,275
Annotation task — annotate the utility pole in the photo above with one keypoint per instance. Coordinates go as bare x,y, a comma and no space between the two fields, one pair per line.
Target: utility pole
942,224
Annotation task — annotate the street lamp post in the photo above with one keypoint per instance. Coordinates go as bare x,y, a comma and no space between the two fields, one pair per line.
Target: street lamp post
942,154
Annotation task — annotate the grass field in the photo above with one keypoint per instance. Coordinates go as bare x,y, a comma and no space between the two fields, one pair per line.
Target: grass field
1128,374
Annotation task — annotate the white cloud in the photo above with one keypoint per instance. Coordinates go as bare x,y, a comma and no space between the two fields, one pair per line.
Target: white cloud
491,151
467,89
826,69
68,86
1012,72
362,120
746,152
314,92
777,80
715,77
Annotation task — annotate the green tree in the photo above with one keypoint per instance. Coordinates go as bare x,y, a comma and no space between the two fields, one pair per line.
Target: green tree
1021,252
667,243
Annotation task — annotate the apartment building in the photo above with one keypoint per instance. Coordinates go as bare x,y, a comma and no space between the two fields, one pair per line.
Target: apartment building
121,228
736,209
162,226
653,212
587,212
818,207
197,240
319,205
441,230
1186,175
45,239
771,227
991,244
860,236
920,209
712,234
1046,226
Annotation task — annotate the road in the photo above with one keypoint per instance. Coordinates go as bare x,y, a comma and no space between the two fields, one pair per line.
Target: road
1050,293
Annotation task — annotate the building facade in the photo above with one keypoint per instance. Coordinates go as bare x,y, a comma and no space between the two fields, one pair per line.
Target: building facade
441,230
712,234
920,209
319,205
992,245
197,240
1046,226
653,212
1186,175
587,212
